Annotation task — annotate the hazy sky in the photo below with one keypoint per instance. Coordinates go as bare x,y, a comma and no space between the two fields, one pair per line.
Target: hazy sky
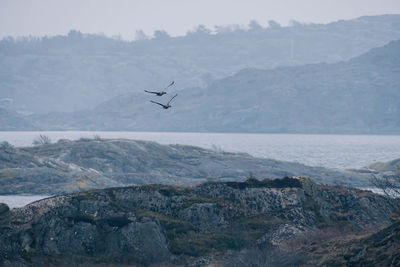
123,17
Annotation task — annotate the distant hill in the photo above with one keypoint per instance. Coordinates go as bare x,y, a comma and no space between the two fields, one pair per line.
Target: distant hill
11,120
79,71
361,95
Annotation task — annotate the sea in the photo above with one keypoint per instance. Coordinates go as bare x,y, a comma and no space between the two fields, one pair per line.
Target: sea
332,151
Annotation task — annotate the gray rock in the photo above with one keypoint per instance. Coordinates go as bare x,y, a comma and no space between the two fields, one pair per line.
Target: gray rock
3,208
71,166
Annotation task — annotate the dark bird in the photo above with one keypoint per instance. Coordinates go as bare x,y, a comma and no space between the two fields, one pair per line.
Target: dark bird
162,92
166,106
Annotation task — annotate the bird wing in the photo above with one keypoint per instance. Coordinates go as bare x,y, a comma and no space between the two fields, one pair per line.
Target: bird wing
169,85
172,98
151,92
157,103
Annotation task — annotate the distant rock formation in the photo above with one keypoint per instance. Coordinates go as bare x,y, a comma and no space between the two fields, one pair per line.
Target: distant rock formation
13,121
71,166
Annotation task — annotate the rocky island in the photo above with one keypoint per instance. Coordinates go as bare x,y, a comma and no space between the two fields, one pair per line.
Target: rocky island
71,166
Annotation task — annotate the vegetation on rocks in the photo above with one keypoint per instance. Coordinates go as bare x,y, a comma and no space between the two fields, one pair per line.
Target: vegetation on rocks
200,225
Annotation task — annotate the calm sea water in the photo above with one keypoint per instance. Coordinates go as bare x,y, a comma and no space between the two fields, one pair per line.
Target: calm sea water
334,151
16,201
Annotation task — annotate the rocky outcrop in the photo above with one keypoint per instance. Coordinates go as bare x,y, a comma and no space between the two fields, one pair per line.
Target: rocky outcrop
4,215
153,224
379,248
389,171
22,171
70,166
390,166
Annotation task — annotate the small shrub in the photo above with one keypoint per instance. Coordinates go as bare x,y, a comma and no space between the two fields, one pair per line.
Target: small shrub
97,137
42,140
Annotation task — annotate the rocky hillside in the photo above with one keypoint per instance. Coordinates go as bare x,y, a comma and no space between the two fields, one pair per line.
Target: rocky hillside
70,166
391,167
356,96
155,224
22,171
12,121
379,248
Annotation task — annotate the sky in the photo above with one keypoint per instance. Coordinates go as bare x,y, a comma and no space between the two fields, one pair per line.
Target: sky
123,17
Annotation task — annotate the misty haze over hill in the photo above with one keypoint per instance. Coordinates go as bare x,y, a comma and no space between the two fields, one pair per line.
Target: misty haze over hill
78,72
357,96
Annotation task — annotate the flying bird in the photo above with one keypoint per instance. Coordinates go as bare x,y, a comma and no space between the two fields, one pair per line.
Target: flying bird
162,92
166,106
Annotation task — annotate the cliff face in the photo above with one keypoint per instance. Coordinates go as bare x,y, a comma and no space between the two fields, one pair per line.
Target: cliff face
181,225
70,166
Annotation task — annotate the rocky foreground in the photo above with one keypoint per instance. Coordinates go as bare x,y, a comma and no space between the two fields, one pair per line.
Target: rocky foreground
71,166
251,223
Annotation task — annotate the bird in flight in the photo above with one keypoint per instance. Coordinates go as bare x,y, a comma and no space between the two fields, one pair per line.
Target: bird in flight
162,92
166,106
